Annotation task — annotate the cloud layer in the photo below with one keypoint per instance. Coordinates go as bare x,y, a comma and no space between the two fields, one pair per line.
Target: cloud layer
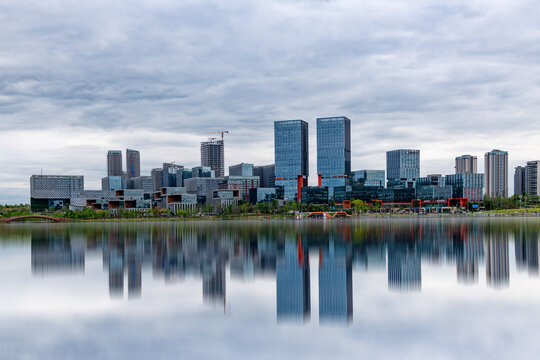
447,77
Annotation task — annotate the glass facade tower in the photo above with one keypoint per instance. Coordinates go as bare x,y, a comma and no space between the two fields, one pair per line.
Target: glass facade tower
133,163
334,151
114,163
291,155
402,166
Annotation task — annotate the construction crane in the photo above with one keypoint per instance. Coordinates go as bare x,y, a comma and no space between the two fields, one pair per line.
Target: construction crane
222,132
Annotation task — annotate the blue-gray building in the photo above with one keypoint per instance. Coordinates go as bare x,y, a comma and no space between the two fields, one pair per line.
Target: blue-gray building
402,167
368,177
291,155
242,169
267,174
334,152
470,186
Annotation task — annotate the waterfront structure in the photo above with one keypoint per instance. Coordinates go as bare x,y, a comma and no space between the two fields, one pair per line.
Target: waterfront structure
402,167
520,183
469,186
315,195
53,191
333,152
291,153
466,164
114,163
267,175
261,194
213,155
368,177
242,169
496,171
243,183
133,163
531,177
175,199
225,197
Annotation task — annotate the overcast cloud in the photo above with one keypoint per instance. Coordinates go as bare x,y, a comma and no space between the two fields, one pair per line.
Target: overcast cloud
78,78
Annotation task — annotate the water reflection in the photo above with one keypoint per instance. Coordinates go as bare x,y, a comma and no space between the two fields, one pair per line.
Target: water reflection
296,255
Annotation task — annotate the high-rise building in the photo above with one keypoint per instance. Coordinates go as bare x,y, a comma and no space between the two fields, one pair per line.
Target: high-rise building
532,174
334,152
133,163
114,163
157,177
466,164
267,174
291,156
402,167
496,171
213,155
520,176
242,169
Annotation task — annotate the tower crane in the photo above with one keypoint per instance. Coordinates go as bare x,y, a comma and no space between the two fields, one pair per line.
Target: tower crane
222,132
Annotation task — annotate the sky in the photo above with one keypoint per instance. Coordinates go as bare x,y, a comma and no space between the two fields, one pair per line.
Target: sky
79,78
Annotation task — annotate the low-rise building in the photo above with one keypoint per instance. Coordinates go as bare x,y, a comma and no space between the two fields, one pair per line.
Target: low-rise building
258,195
53,191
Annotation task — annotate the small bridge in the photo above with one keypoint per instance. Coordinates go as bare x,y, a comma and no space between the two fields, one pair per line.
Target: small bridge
37,217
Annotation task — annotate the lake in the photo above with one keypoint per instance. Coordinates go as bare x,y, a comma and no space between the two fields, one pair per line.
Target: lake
407,288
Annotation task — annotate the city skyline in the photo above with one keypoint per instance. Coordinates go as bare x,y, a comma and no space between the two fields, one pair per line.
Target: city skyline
406,83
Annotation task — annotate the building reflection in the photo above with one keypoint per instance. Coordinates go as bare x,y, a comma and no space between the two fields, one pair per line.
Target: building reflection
57,252
497,260
208,253
292,283
335,283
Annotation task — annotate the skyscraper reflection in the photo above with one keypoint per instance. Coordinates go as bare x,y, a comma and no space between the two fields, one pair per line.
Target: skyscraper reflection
497,261
404,268
335,283
292,283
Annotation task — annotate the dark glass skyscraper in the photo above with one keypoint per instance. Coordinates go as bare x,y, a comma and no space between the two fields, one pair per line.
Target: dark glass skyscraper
114,163
133,163
334,151
291,155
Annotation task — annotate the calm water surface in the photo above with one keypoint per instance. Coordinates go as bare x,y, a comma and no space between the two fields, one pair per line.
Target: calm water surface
373,289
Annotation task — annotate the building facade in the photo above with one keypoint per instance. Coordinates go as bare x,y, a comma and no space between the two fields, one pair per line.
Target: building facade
133,163
532,174
469,186
53,191
334,152
368,177
402,167
242,169
213,155
267,175
466,164
496,171
520,176
291,141
114,163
